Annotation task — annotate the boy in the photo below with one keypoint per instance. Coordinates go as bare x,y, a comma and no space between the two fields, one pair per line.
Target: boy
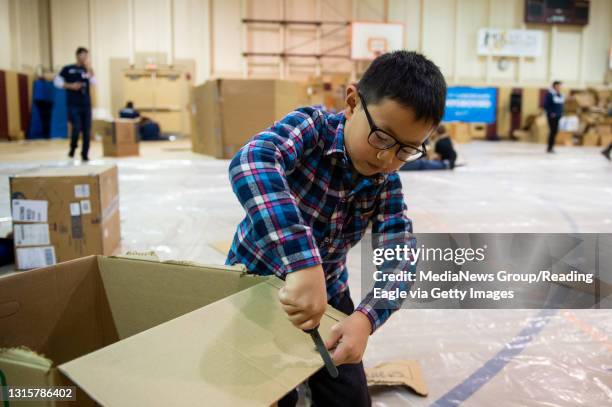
311,183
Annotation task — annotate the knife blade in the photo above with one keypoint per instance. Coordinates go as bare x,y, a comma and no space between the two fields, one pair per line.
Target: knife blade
320,345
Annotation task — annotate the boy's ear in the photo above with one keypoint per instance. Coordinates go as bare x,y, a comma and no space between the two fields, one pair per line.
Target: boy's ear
351,100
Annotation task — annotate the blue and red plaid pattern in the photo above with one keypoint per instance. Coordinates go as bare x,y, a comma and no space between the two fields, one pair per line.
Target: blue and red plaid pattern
305,204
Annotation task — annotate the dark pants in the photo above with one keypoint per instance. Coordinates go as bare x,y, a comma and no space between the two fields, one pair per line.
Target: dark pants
553,124
424,164
349,389
80,118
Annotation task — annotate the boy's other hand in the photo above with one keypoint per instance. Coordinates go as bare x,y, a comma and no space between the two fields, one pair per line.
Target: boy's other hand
304,297
350,338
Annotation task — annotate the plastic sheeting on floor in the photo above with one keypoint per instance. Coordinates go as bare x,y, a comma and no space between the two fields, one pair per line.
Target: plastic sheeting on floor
179,205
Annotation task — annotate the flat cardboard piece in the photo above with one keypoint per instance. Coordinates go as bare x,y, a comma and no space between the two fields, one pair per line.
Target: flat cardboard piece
241,350
398,373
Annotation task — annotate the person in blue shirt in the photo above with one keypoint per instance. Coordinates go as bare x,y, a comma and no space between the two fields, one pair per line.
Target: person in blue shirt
553,104
128,112
77,79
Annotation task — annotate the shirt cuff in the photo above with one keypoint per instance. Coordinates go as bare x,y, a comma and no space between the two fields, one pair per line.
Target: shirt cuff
372,315
298,250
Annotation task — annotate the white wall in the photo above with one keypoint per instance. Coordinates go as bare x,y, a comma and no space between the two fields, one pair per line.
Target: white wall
445,30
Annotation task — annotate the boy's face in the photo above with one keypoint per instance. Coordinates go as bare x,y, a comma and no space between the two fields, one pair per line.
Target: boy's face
396,120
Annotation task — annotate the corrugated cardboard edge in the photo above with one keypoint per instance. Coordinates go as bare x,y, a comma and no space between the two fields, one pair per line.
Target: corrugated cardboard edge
406,373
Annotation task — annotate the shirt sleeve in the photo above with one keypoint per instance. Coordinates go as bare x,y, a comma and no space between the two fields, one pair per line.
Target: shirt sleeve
258,174
60,79
390,227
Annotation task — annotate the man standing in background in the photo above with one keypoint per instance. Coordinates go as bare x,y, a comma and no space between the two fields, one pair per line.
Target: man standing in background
553,104
76,79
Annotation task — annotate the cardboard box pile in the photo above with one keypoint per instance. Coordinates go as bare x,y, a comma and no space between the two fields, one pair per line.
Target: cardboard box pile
328,90
64,213
123,139
138,332
228,112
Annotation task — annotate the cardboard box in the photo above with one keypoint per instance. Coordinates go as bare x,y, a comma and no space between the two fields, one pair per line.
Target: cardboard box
135,332
590,138
605,139
539,130
459,131
564,138
228,112
123,140
585,99
604,129
64,213
328,90
478,131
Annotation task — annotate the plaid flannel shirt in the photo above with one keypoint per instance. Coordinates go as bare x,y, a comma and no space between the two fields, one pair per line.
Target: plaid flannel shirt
305,207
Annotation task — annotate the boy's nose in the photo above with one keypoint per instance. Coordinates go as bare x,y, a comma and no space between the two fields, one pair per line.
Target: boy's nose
386,156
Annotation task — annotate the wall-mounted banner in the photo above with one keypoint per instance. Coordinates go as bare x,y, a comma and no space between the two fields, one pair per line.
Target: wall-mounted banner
509,43
472,105
483,270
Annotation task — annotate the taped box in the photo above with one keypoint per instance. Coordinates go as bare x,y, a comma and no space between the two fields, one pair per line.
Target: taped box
139,332
64,213
122,140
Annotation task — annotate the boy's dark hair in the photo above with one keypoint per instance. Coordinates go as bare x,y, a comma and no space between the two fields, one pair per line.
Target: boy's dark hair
129,104
80,50
555,83
408,78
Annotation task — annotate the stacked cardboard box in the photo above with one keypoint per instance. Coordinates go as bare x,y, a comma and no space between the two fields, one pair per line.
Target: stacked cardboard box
64,213
195,333
478,131
123,139
228,112
459,131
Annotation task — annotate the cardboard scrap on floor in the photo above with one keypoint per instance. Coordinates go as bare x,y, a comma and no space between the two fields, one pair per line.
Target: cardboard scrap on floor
398,373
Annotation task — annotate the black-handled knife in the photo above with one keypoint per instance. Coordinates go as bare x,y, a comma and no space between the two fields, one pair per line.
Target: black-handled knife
320,345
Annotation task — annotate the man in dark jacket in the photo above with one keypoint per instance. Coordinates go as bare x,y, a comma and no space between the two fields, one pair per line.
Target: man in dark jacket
553,104
77,79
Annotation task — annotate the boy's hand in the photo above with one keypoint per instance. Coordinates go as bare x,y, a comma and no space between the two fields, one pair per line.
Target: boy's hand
350,338
304,297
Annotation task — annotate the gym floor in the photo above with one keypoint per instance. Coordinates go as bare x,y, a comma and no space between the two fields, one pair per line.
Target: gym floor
180,204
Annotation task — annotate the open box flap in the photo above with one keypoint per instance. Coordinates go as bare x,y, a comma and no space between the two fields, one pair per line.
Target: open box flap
241,350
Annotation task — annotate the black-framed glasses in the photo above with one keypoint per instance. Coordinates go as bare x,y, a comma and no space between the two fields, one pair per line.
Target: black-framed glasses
381,140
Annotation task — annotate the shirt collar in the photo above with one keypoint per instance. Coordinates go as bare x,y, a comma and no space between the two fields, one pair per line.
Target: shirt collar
337,145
